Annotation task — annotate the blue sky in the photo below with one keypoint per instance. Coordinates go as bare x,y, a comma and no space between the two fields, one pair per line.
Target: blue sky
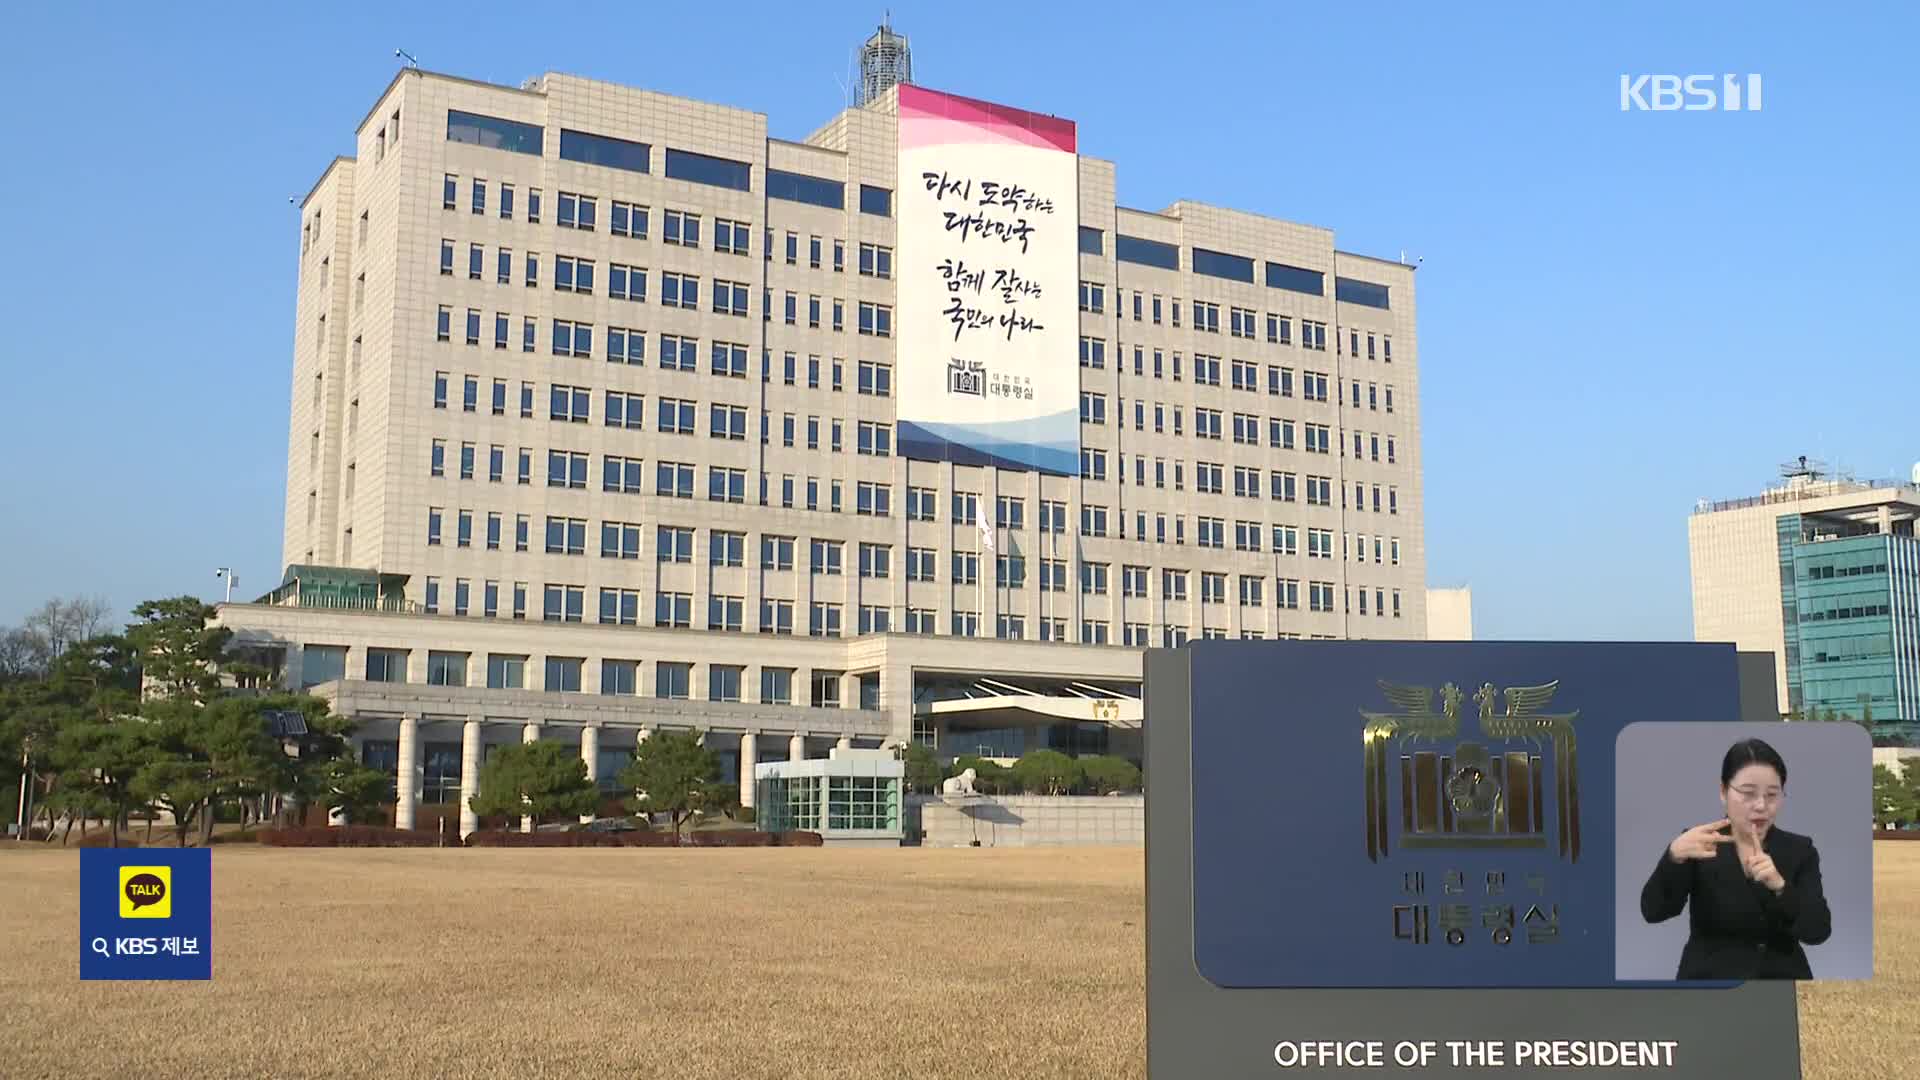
1619,312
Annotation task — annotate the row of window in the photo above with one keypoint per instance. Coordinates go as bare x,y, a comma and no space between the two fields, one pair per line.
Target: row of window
675,544
674,610
569,469
625,345
574,338
1240,322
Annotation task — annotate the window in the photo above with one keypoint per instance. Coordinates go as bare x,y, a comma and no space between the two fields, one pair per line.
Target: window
1090,240
434,515
966,507
1093,352
506,201
621,474
577,211
727,422
875,378
726,485
730,298
1173,584
920,503
566,536
673,479
1093,579
706,169
572,338
674,544
682,228
676,416
966,624
604,150
491,132
1093,297
875,200
1093,632
966,568
570,403
1144,252
876,261
673,680
566,469
823,619
1053,516
776,552
1093,407
876,319
450,192
1010,571
617,678
873,438
876,561
564,603
1053,575
1093,521
1206,317
680,290
479,196
626,282
1093,464
1009,512
824,556
873,499
629,219
673,610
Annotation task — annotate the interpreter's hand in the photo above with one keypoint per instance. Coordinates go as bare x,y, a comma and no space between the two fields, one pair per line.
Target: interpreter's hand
1700,842
1757,864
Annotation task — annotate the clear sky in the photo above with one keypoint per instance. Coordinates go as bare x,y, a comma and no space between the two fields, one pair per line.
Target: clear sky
1619,312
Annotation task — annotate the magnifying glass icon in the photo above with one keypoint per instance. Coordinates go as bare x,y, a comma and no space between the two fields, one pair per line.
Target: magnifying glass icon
100,946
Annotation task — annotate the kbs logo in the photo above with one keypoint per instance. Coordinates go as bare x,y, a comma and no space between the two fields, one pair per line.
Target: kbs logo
1689,93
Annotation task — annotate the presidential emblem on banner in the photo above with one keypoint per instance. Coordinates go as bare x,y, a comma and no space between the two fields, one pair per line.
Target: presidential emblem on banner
1514,784
966,377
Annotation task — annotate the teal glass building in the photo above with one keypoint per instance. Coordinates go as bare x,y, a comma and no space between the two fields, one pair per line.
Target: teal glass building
1851,610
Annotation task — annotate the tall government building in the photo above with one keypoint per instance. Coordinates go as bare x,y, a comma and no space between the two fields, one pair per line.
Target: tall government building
1824,573
612,412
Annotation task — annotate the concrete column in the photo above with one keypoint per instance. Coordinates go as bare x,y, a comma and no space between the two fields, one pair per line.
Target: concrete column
797,747
590,753
749,755
469,777
529,734
639,740
404,786
844,743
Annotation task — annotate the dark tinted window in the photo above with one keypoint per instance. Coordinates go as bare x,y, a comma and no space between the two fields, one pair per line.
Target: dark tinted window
605,150
702,169
1294,279
1221,265
799,187
1090,241
494,132
1354,291
1145,252
876,200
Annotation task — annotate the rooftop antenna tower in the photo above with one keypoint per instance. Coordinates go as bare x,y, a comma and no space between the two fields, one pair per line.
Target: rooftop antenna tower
885,61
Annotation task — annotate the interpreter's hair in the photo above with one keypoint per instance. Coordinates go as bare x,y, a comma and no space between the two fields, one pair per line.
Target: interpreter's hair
1751,752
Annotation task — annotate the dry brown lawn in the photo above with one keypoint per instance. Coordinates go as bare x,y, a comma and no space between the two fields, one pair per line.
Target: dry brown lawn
694,964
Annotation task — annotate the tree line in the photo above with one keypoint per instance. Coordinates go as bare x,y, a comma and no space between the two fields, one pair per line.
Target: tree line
111,725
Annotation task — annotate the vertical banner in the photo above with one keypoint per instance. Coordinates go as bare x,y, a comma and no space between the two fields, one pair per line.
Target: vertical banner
988,216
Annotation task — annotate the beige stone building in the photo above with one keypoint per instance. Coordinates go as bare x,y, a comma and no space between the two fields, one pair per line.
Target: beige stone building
592,429
1450,614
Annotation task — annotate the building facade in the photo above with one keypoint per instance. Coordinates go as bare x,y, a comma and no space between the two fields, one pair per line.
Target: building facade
608,381
1825,574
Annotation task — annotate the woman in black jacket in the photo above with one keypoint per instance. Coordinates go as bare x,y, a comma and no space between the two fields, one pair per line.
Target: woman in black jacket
1753,890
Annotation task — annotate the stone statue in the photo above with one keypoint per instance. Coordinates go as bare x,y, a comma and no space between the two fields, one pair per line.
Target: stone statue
958,785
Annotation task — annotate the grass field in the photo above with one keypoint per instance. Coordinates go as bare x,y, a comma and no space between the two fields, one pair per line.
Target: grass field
687,964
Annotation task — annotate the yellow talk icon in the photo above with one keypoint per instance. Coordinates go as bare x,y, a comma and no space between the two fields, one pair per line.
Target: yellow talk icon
146,892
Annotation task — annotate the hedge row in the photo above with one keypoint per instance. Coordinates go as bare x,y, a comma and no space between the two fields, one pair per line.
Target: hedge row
348,836
641,838
378,836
